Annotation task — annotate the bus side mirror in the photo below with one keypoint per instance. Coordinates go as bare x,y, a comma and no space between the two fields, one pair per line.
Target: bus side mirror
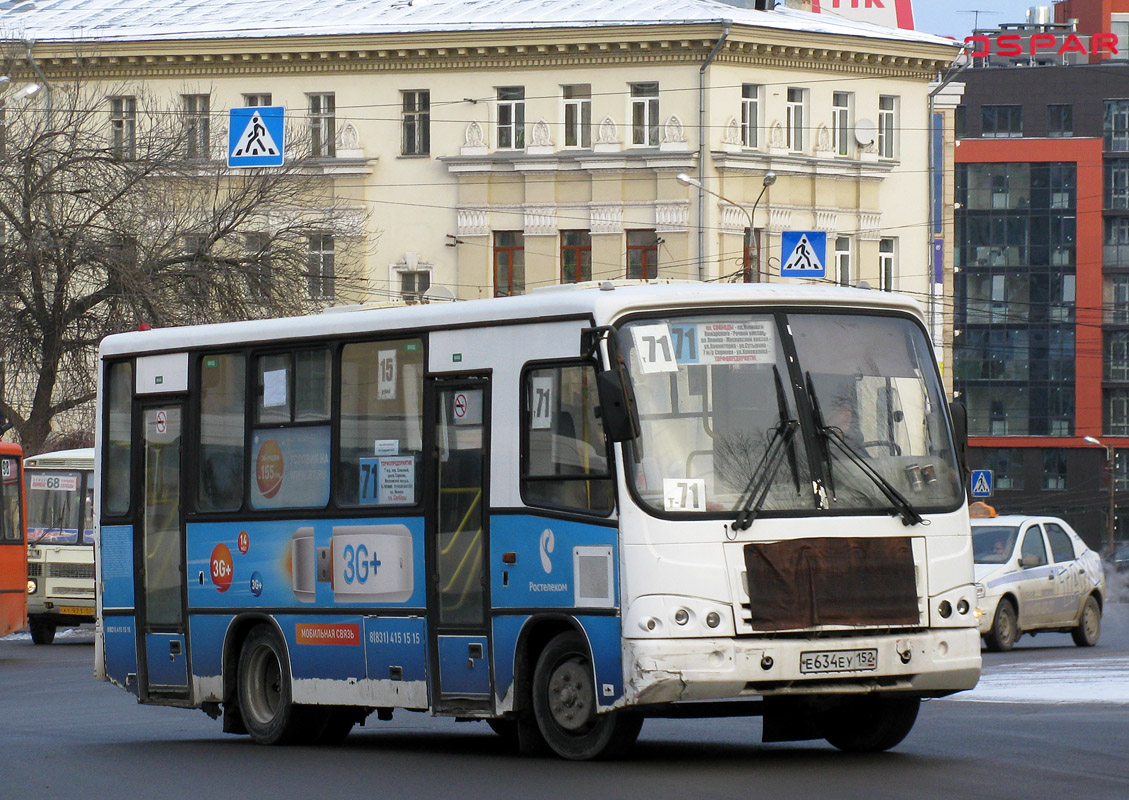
959,415
617,406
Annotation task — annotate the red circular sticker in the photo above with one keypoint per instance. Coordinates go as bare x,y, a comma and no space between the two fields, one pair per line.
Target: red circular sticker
222,568
269,469
244,542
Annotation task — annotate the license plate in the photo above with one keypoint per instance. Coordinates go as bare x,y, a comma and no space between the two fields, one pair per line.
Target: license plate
822,661
77,611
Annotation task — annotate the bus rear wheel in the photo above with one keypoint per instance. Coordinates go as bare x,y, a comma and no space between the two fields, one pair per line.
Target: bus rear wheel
41,632
263,685
871,724
564,705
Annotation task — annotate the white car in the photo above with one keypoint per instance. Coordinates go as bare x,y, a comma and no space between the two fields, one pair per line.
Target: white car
1035,574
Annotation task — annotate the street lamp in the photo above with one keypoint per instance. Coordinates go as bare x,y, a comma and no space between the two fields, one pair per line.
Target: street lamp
749,240
1109,454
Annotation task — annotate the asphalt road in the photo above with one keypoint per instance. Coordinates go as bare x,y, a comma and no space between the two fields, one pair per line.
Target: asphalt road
64,735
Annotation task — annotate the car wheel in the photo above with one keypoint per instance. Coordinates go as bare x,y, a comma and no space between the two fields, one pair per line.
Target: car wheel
872,724
564,705
1005,629
1089,624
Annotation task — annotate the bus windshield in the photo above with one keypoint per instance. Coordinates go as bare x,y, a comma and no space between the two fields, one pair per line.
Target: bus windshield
719,398
54,507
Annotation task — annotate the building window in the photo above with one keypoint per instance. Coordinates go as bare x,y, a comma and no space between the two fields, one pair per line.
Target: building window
887,254
414,284
841,122
320,272
257,100
196,136
1054,468
887,126
1117,184
1115,125
577,115
415,123
1115,252
257,247
1117,412
511,117
645,114
509,263
642,254
960,121
750,114
323,125
794,132
1060,120
576,256
843,260
1117,299
123,127
1117,356
1006,464
1001,122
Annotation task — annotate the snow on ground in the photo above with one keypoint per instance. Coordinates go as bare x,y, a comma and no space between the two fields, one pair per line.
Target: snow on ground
1101,679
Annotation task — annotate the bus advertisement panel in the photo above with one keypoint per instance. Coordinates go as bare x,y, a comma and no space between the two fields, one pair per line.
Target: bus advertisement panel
560,514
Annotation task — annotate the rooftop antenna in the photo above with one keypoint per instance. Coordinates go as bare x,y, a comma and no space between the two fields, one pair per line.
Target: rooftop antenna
976,12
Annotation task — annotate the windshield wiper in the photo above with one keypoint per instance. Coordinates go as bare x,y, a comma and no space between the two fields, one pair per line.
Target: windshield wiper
901,505
756,491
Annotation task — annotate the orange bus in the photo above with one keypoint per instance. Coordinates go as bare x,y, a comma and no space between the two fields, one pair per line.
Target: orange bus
13,547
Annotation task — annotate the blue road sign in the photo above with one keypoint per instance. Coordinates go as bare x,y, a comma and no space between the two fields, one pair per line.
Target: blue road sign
803,254
981,483
256,137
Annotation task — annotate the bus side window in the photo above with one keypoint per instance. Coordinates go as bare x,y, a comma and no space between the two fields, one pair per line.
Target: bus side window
565,454
222,422
119,428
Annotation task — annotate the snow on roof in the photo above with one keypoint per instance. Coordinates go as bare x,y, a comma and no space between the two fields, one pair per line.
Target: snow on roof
146,20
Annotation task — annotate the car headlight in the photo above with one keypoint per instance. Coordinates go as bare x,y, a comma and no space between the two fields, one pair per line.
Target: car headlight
32,585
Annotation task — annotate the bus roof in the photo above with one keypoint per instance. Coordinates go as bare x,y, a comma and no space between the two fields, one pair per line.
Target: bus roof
604,302
80,458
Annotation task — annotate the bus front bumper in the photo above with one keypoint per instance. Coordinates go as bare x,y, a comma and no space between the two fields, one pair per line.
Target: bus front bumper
926,663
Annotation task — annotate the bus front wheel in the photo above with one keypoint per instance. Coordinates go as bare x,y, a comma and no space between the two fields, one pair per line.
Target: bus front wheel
41,632
564,705
265,700
871,724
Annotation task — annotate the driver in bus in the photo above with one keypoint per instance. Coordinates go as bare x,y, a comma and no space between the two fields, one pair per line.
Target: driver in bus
843,418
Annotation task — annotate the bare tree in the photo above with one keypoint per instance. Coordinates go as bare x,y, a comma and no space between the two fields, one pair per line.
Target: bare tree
114,217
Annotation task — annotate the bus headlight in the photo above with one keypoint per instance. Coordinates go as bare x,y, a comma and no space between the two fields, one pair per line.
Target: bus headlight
681,616
32,586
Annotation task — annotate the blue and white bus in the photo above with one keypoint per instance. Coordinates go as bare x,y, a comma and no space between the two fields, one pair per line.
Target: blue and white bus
560,513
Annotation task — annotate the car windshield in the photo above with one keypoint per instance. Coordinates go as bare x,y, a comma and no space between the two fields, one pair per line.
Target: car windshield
718,406
993,544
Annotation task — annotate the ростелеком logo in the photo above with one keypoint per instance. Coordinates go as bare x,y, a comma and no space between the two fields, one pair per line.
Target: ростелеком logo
548,541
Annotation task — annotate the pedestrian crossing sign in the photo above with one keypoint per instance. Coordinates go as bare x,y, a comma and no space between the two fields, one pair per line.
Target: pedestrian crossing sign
803,254
256,137
981,483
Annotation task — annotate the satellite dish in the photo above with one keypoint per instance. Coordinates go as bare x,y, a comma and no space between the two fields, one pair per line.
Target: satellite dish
439,293
865,132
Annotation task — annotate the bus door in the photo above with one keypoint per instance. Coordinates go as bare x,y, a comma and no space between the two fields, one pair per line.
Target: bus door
457,545
162,643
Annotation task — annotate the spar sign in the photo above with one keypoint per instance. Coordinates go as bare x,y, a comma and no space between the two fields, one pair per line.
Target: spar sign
1014,44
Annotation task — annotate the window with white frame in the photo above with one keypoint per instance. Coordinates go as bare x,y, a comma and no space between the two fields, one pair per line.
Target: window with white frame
577,115
887,255
797,99
257,100
123,127
415,123
511,117
414,284
1118,291
323,125
843,260
196,109
1117,412
1117,184
1117,356
645,114
1115,125
887,126
320,270
750,114
841,122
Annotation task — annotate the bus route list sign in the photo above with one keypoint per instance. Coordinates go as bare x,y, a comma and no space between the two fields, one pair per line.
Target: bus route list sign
803,254
256,137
